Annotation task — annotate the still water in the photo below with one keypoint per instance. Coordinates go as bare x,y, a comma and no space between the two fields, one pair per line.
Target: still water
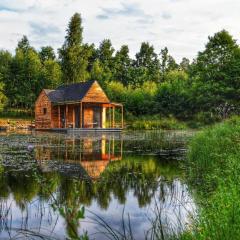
105,186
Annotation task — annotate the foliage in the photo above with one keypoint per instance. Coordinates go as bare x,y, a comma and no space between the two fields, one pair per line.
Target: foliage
147,63
138,101
216,74
213,167
123,65
202,92
47,53
173,95
157,122
24,75
74,54
167,63
15,113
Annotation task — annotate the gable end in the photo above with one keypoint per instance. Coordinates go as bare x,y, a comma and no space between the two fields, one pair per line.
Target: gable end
95,94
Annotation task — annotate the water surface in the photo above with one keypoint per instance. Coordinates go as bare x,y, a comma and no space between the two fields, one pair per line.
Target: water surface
126,183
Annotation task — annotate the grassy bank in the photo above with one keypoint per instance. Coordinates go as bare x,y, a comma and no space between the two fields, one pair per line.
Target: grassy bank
154,123
14,113
214,170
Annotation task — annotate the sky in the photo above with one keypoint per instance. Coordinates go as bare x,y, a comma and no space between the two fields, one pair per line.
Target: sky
181,25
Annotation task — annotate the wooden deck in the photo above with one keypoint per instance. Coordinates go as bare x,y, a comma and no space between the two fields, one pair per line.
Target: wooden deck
78,130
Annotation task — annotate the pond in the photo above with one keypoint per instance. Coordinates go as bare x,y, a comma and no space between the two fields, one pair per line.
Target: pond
106,186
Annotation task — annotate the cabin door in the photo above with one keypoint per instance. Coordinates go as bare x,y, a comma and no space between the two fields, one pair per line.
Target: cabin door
62,116
97,117
77,116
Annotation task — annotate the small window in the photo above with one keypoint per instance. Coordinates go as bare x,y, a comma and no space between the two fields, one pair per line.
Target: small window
44,111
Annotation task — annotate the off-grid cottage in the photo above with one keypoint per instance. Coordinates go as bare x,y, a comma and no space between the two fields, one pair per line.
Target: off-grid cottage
79,105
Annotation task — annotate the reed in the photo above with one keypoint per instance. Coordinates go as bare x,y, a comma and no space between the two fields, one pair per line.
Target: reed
213,169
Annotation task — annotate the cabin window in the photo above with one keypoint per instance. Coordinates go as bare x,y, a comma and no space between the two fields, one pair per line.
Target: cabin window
44,111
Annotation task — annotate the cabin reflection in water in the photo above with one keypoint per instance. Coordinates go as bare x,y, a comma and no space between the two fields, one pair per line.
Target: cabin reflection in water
87,157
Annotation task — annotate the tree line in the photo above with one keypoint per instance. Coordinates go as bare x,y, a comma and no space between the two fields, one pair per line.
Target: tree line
151,83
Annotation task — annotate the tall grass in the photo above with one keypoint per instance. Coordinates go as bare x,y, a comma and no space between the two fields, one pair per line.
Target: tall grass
16,113
156,122
214,169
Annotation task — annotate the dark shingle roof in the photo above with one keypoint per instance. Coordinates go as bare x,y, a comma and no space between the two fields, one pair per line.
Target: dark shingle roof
73,92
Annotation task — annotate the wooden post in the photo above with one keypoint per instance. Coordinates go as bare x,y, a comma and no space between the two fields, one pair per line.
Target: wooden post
59,117
110,117
81,116
113,147
73,116
113,112
66,117
122,116
103,118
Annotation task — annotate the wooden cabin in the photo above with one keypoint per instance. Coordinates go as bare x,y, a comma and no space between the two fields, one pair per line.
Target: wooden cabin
80,105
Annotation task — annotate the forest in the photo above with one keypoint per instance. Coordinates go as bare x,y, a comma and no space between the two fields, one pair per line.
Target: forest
150,85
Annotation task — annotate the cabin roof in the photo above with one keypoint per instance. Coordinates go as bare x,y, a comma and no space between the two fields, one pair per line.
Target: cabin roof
69,93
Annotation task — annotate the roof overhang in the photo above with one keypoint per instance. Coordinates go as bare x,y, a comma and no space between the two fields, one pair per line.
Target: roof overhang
106,104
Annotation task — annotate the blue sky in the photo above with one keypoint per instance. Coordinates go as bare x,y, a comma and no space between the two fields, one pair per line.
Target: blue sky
181,25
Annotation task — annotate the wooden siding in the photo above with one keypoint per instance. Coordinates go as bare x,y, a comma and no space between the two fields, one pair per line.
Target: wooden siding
87,117
55,117
95,94
43,120
92,109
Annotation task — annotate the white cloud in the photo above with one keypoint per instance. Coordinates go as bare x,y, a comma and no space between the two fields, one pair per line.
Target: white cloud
181,25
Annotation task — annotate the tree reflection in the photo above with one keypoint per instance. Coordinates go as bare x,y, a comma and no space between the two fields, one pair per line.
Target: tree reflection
71,173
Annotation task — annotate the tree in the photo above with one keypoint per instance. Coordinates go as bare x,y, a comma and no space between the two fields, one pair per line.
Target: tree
3,98
173,96
105,53
101,62
5,61
167,63
51,70
24,44
122,65
177,75
24,81
97,72
216,72
185,64
52,74
147,62
47,53
74,54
